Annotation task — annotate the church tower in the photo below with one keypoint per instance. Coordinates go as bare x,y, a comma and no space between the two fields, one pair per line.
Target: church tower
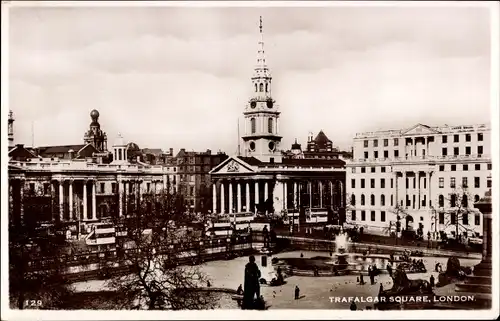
95,135
261,116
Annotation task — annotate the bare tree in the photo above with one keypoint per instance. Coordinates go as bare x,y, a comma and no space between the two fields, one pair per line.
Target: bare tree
156,239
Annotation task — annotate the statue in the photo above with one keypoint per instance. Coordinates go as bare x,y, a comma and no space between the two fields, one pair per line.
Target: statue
454,272
252,286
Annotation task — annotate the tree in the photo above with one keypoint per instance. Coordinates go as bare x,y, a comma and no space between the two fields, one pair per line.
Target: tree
35,272
154,242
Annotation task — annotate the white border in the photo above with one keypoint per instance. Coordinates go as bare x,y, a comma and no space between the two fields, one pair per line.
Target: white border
270,314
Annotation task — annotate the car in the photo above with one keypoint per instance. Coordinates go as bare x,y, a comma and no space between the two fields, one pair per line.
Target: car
475,240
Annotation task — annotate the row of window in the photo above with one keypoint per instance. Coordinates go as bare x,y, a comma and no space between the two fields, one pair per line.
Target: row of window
260,87
382,183
372,216
444,140
101,188
453,217
465,183
454,200
372,169
444,152
465,167
253,125
372,200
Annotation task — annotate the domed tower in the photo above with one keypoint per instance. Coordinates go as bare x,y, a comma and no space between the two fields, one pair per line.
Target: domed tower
119,150
261,138
10,129
95,135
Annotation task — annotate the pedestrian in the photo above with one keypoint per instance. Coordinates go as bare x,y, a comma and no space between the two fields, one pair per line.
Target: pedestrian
301,254
361,280
353,306
208,284
380,289
372,278
297,292
431,281
239,291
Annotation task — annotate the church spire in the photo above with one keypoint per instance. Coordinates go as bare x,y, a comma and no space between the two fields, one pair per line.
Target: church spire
261,69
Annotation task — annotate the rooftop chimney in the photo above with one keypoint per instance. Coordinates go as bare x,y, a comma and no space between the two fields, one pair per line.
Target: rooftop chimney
171,151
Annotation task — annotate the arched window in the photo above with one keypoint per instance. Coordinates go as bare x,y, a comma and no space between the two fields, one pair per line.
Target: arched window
353,200
453,200
476,198
362,199
465,203
255,87
261,87
270,125
441,201
382,200
253,125
267,88
372,199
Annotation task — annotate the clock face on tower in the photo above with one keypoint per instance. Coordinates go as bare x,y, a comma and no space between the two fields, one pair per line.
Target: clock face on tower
253,104
252,146
270,104
271,146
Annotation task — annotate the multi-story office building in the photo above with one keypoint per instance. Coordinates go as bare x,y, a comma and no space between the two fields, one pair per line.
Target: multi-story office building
195,183
426,175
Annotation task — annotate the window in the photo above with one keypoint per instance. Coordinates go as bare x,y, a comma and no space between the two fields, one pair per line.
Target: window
396,153
372,200
253,125
375,143
464,182
372,183
465,219
382,169
441,217
444,139
373,169
407,183
372,216
256,89
261,87
425,182
456,138
465,167
386,154
363,169
453,219
476,182
479,150
365,143
467,150
414,182
353,170
46,188
382,216
476,198
270,125
353,183
392,183
488,166
441,168
479,137
386,142
148,187
366,155
477,167
452,182
465,202
362,183
488,183
392,200
453,200
363,215
375,154
113,188
467,137
456,151
353,215
445,151
266,88
102,188
353,200
362,199
382,183
453,168
191,190
382,200
441,201
441,182
477,220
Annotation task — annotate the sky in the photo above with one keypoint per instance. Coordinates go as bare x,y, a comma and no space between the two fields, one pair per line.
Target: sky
180,76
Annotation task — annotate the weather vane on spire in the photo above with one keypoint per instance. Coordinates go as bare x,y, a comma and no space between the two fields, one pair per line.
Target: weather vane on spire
260,25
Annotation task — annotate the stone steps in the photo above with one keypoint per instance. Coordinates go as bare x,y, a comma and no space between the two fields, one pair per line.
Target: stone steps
475,279
473,288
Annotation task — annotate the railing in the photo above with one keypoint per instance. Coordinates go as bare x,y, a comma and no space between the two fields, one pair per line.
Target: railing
423,159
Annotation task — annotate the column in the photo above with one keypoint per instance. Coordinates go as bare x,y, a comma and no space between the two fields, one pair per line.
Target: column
266,192
285,195
120,198
11,202
230,197
309,187
126,192
21,201
418,186
257,198
52,198
404,186
94,216
238,196
61,200
320,194
247,198
428,202
396,186
222,209
85,200
295,195
70,194
214,197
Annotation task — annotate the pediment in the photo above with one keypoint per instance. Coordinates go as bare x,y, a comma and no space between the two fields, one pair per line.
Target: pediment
420,129
232,165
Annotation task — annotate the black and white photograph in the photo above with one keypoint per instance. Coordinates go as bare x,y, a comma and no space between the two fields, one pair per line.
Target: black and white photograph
235,159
